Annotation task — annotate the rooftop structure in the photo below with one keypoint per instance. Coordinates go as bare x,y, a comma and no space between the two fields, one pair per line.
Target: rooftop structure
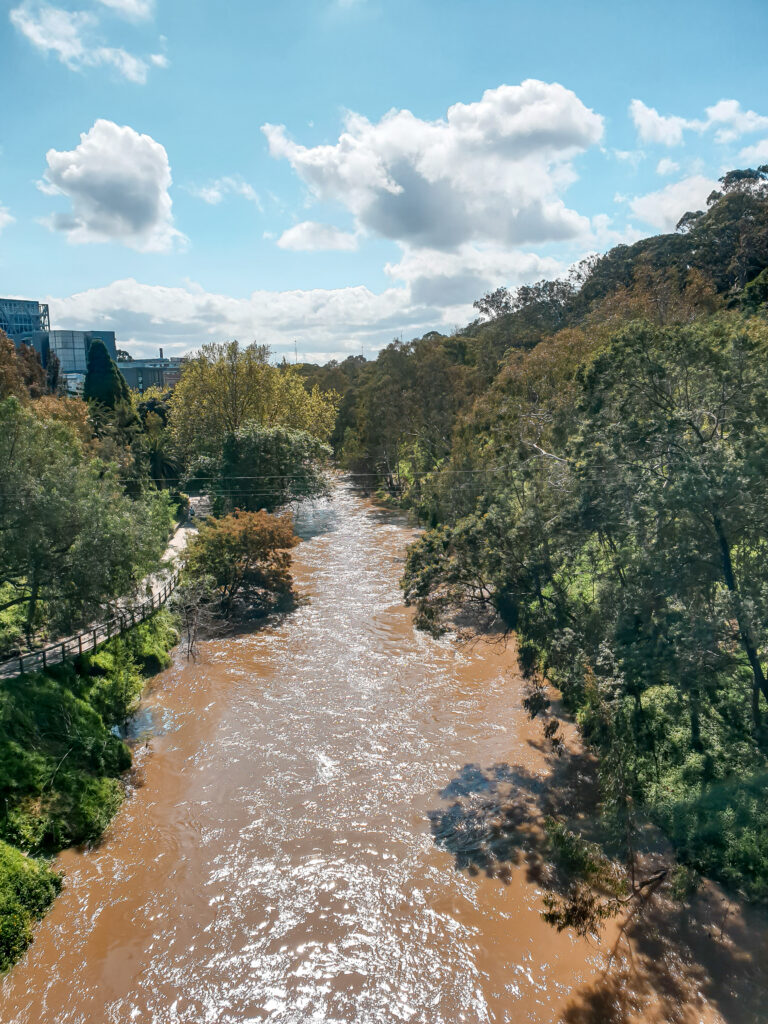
20,317
160,371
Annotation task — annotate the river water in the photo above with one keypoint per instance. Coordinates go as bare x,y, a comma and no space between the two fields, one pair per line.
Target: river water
276,859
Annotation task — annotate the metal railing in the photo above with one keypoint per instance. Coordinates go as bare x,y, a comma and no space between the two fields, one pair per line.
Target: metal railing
92,637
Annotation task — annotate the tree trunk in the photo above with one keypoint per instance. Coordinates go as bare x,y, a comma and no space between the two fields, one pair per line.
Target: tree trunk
34,592
750,649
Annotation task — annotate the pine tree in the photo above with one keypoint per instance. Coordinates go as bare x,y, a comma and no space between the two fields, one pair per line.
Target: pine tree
103,382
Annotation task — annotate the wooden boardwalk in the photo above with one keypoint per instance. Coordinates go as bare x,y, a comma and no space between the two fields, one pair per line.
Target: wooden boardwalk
126,616
93,637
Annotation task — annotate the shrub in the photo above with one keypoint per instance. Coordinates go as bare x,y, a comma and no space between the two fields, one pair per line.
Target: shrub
27,889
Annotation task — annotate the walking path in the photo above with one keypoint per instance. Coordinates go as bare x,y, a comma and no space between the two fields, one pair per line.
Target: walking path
129,612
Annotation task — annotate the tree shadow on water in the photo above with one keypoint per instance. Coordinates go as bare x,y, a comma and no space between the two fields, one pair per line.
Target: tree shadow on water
493,820
708,951
669,962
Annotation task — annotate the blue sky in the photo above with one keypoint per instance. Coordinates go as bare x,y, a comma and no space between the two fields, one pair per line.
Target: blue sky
340,172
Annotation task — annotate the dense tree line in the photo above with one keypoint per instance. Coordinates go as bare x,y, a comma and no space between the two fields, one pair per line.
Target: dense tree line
591,459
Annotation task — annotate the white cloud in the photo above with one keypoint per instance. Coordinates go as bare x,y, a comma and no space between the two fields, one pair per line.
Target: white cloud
655,127
5,217
725,118
605,235
117,182
434,291
310,236
757,154
489,172
664,208
440,278
70,35
325,322
730,121
666,166
633,157
233,185
136,10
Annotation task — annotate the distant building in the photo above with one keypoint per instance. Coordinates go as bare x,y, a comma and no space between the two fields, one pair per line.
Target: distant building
72,347
161,372
27,323
20,318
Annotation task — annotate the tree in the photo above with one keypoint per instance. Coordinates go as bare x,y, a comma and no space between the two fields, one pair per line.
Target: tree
265,467
31,370
11,382
226,386
162,466
673,462
494,304
53,376
220,390
246,556
71,539
104,384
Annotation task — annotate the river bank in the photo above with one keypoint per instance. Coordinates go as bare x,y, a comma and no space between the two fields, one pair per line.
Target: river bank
62,765
281,856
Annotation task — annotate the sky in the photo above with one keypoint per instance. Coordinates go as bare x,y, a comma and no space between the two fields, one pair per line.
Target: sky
326,175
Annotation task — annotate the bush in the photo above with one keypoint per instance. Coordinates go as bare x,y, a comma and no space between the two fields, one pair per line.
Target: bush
724,833
27,889
246,557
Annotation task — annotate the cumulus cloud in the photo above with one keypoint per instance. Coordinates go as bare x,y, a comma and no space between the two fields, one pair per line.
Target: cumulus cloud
5,217
730,122
326,322
664,208
428,293
655,127
666,166
309,236
490,171
725,118
438,278
135,10
216,191
757,154
117,182
70,35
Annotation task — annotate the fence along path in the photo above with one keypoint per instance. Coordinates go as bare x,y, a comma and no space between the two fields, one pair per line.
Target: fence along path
91,638
127,616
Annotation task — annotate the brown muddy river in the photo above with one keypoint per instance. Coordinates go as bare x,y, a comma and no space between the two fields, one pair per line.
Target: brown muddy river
275,860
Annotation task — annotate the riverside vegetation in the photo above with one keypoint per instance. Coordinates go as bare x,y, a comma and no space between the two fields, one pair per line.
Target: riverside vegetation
89,490
589,457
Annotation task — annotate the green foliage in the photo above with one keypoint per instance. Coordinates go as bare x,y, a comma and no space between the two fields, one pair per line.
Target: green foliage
61,762
607,497
71,538
756,293
723,832
266,467
246,558
58,759
27,889
226,388
104,384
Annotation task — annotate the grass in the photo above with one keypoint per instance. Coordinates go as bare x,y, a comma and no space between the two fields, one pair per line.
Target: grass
61,762
27,889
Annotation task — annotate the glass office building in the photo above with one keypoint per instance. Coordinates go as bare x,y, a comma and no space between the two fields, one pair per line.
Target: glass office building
72,347
21,318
